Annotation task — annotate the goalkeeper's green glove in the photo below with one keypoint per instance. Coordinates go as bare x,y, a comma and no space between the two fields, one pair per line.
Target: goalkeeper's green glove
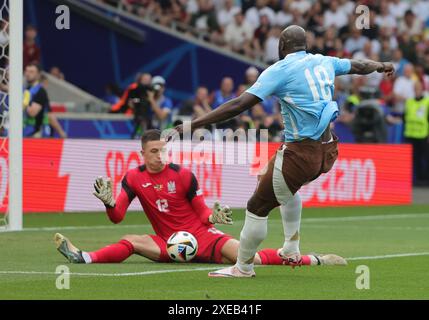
221,214
103,191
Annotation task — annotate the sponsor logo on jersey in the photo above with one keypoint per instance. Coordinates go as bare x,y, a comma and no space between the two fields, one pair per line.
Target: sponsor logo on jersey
145,185
158,187
171,186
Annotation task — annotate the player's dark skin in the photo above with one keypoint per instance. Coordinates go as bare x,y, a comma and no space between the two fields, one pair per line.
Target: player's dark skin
292,39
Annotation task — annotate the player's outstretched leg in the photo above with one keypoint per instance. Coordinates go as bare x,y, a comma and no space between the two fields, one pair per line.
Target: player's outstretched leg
272,257
113,253
67,249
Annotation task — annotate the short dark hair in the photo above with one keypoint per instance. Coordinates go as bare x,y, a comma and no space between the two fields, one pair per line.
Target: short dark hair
150,135
36,65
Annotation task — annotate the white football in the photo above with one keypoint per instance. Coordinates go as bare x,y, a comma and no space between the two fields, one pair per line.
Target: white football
182,246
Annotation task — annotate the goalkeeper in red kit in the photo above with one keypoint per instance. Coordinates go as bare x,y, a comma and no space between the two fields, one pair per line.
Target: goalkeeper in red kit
172,201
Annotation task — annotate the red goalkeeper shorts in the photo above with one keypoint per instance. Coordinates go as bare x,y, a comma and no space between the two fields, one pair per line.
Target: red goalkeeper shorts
210,243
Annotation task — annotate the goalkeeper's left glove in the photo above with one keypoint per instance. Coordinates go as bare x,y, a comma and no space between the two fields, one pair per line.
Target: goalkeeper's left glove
221,214
103,191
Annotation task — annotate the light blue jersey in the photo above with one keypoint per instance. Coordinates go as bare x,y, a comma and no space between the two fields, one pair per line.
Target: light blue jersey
304,85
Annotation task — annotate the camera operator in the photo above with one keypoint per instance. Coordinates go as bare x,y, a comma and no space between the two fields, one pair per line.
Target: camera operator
161,106
138,102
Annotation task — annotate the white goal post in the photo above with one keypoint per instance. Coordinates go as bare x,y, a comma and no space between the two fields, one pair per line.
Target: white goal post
16,10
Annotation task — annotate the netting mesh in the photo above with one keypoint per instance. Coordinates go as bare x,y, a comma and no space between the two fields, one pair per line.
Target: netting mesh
4,97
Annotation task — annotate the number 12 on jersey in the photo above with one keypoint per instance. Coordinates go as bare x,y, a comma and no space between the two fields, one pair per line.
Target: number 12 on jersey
162,205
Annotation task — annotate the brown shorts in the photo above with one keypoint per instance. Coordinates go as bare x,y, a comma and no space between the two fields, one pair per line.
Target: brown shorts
294,164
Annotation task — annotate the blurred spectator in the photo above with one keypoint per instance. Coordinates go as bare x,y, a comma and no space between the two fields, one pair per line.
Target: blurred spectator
225,93
198,105
416,132
251,76
283,17
422,77
335,16
384,18
57,73
179,14
386,89
271,53
36,104
403,88
141,8
254,13
356,42
399,62
239,34
315,20
226,15
205,20
31,53
421,9
386,53
302,6
112,94
161,106
260,36
426,61
410,24
397,8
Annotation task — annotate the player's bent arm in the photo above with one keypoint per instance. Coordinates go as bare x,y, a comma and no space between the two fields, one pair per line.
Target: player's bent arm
228,110
204,212
369,66
117,213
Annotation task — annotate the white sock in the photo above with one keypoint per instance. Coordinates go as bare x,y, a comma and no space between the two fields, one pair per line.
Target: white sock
291,218
86,257
251,236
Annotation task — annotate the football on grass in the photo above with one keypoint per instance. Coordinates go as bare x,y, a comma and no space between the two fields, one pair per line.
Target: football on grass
182,246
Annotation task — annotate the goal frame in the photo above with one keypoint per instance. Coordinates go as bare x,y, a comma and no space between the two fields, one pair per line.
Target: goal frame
16,26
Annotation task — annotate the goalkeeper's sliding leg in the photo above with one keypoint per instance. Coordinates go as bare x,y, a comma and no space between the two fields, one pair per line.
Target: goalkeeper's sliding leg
154,248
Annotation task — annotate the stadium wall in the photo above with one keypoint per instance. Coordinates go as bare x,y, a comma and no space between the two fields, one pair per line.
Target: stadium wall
59,174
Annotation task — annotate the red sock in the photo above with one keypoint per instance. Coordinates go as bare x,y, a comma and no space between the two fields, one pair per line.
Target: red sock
116,252
271,257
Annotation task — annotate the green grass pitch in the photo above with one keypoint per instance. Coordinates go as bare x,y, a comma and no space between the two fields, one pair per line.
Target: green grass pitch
373,236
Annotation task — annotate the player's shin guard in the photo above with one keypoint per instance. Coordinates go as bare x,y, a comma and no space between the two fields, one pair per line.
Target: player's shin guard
291,218
251,236
114,253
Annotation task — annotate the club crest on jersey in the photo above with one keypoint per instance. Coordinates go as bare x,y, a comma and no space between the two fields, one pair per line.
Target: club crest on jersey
158,187
171,186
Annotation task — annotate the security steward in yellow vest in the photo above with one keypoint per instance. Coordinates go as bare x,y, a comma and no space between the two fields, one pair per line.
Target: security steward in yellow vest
416,132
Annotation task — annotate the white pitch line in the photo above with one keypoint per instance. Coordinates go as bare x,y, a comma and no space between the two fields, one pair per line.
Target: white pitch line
389,256
365,218
326,219
145,273
348,227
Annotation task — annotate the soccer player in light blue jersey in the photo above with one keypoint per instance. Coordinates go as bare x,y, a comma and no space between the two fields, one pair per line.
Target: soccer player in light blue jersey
304,85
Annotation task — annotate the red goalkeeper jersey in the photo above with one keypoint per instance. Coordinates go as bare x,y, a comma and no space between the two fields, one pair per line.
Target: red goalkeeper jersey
171,200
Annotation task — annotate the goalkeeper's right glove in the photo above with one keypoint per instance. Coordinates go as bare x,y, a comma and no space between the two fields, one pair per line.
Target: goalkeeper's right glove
103,191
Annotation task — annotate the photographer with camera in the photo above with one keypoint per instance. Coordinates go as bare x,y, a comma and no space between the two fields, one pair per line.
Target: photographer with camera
138,102
161,106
